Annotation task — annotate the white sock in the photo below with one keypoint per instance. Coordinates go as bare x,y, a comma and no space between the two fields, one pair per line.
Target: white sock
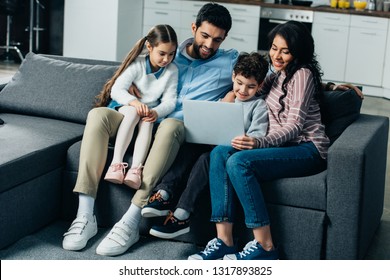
181,214
86,204
133,216
164,194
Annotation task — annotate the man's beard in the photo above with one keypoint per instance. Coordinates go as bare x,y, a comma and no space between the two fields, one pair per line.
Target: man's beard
196,48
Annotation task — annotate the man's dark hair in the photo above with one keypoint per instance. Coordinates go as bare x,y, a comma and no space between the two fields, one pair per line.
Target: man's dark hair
215,14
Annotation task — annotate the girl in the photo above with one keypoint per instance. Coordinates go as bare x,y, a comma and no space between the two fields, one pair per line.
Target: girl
156,78
295,134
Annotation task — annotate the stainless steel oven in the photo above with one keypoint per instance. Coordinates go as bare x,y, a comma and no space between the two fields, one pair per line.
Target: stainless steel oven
270,17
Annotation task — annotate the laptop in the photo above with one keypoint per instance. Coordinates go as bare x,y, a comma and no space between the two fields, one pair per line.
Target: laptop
212,122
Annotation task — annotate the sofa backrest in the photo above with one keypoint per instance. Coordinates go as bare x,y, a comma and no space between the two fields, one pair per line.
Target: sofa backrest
338,110
56,87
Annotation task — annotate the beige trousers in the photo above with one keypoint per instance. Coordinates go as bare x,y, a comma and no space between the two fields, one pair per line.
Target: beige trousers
102,124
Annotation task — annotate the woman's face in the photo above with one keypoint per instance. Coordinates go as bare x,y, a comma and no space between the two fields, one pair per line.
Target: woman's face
280,54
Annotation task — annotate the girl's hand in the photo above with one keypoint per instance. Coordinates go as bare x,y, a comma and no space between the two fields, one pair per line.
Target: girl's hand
142,109
152,117
244,143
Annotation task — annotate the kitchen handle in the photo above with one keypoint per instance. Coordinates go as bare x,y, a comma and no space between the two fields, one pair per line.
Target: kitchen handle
278,21
237,39
161,13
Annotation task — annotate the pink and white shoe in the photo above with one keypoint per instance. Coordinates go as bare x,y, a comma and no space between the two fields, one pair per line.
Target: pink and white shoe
116,173
133,177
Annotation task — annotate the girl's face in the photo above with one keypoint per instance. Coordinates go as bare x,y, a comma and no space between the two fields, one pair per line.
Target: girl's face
280,54
244,88
161,55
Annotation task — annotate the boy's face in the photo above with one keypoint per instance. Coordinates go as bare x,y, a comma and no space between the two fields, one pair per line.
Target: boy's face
207,39
244,88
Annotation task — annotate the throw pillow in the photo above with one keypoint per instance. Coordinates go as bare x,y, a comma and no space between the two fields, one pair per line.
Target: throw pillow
338,110
54,88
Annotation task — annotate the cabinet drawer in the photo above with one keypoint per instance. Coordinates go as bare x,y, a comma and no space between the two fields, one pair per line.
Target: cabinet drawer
369,22
163,4
153,17
187,18
245,25
192,6
331,19
242,43
244,10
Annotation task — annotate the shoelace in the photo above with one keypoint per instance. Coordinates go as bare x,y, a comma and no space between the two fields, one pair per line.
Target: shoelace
249,248
118,166
211,246
157,196
170,217
137,170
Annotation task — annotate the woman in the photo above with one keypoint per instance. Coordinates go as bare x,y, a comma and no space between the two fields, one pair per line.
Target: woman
295,145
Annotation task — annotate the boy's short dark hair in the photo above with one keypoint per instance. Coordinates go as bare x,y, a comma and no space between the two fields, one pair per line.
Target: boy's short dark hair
215,14
251,65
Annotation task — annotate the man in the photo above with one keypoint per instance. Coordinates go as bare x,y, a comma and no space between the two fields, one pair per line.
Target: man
204,74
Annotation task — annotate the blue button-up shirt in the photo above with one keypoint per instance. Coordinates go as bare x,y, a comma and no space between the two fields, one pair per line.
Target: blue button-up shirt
203,79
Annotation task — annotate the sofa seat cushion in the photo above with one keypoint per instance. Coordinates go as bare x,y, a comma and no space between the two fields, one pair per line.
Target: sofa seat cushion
304,192
32,146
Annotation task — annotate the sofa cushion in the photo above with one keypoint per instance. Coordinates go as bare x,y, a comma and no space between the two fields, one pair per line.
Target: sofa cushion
51,88
338,110
33,146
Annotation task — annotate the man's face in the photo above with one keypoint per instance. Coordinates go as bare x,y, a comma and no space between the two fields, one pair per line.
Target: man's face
207,39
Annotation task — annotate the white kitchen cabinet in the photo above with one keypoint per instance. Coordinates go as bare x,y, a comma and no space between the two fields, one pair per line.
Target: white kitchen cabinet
101,29
366,50
330,32
386,70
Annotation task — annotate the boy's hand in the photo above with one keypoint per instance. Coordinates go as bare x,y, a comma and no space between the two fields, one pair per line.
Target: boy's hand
244,142
229,97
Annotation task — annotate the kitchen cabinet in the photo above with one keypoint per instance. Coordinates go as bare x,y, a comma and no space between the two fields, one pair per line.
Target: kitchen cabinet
181,14
330,32
366,50
101,29
386,71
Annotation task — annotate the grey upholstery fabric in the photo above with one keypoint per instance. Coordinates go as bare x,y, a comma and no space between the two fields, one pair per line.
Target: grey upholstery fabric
33,146
54,88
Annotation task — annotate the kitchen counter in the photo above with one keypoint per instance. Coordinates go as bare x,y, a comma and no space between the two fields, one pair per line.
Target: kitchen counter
327,9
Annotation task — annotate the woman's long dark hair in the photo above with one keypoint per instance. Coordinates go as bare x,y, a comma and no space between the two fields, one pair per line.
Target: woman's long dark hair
158,34
301,46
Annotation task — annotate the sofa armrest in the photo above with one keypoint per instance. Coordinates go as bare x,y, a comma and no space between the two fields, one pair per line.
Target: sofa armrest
356,182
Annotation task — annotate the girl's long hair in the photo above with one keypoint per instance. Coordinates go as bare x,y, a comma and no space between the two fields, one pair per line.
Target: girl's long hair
301,46
158,34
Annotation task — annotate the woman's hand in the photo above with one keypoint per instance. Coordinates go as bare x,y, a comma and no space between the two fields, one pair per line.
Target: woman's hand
152,117
244,143
142,109
348,86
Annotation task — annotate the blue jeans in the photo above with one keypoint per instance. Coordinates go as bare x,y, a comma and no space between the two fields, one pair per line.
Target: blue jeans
238,174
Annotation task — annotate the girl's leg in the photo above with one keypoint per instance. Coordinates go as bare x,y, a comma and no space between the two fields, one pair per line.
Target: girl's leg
116,171
125,132
141,148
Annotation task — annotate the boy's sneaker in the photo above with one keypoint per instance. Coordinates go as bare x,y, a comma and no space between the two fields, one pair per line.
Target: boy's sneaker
156,207
216,249
171,228
254,251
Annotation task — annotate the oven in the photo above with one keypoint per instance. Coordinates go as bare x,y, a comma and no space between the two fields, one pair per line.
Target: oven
270,17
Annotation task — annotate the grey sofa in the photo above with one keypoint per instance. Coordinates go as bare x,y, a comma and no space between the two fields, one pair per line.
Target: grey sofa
331,215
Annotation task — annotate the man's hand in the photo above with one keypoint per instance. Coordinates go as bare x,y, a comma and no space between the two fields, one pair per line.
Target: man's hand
133,90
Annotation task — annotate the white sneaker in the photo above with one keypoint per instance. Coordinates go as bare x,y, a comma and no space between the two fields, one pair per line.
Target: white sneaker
79,232
118,241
